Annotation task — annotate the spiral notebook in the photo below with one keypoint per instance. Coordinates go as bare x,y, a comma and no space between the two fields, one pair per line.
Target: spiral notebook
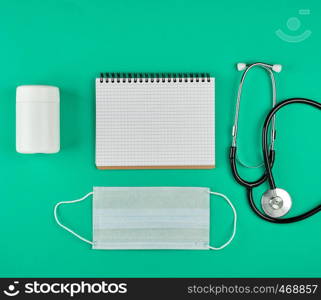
155,121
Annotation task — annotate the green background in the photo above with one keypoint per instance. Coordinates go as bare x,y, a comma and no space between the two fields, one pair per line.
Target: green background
68,43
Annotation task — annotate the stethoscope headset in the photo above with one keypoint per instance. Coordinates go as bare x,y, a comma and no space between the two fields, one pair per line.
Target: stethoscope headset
275,202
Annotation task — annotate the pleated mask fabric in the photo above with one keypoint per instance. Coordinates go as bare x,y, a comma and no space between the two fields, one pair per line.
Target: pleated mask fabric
151,218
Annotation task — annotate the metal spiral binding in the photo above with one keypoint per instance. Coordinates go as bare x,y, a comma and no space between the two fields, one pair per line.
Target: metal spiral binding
154,77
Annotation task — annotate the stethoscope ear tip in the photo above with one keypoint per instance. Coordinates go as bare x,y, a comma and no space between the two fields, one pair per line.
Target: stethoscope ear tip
277,68
240,66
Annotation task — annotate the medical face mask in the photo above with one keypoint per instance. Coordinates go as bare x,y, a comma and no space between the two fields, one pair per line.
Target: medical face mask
150,218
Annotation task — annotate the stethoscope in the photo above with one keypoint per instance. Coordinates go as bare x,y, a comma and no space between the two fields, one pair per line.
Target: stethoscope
275,202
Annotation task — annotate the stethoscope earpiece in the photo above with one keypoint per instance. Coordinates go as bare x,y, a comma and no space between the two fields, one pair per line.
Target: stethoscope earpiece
276,202
277,68
241,66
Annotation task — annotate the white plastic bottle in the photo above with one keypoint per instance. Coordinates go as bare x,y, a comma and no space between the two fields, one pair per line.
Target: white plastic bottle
37,119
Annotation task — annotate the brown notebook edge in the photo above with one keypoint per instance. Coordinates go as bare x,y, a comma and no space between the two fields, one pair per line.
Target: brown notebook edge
154,167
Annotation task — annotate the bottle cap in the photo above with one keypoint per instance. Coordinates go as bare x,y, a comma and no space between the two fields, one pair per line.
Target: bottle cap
37,93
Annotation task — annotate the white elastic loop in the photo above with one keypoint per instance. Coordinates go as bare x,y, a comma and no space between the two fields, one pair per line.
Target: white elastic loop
65,227
234,222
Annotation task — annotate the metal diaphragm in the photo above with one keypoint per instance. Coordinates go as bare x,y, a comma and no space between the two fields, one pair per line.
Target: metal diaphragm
276,202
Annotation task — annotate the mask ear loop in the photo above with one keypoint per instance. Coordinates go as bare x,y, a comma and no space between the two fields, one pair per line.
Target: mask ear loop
65,227
234,221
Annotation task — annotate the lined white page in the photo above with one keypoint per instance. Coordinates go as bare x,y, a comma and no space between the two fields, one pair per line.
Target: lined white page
155,124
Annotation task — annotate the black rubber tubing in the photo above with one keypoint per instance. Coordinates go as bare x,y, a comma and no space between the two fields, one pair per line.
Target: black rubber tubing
268,166
238,178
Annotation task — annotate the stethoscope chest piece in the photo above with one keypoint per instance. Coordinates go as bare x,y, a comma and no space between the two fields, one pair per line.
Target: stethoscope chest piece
276,202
